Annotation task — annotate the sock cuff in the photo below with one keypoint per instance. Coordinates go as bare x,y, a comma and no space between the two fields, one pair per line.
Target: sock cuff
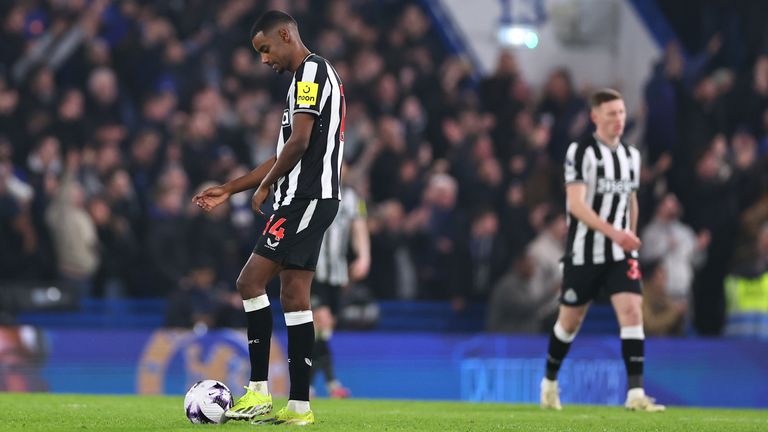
256,303
633,332
298,318
563,335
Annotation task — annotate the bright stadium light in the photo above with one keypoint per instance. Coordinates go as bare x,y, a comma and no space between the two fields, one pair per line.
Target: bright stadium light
518,36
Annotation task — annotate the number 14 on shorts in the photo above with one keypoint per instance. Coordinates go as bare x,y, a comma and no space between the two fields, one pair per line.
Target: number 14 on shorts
275,229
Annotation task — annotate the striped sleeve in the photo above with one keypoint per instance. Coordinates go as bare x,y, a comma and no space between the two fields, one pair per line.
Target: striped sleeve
575,167
635,167
311,86
357,207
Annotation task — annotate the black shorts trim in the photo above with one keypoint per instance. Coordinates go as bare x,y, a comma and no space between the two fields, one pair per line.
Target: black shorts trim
294,233
584,283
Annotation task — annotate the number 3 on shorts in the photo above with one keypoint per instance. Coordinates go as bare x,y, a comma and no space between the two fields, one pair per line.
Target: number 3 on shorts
634,270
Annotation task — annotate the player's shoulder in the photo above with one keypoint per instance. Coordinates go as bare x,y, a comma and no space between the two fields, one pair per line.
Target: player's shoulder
582,144
631,149
316,59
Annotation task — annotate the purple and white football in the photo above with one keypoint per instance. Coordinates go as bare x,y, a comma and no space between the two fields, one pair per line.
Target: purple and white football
207,401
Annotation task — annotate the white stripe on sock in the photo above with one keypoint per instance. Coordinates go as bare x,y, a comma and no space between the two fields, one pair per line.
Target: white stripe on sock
563,335
256,303
633,332
300,407
298,318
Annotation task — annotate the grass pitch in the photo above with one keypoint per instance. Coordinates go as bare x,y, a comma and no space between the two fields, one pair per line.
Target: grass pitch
49,412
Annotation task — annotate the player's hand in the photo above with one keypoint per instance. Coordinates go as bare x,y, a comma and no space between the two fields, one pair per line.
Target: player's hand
626,239
359,269
258,199
211,198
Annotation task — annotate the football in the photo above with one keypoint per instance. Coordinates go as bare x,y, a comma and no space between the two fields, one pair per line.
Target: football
207,401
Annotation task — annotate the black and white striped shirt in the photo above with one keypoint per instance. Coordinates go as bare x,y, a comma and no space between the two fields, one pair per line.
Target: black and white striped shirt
315,89
332,267
611,176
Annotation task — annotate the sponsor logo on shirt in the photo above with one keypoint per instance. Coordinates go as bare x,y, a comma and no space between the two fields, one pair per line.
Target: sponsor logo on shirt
608,186
306,93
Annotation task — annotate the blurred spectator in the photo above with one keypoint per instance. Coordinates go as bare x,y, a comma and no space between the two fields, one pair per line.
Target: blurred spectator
517,228
213,239
488,254
676,245
73,230
545,253
516,305
392,274
385,166
119,251
70,125
167,242
662,315
18,239
104,104
200,301
712,206
439,243
758,264
564,110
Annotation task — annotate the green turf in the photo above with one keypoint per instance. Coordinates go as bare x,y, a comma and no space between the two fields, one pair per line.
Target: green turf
46,412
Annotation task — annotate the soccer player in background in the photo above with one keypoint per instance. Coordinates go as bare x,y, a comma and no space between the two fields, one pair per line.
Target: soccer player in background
333,275
602,175
305,176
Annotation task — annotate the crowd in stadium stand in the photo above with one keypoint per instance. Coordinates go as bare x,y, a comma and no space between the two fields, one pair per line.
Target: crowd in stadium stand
112,114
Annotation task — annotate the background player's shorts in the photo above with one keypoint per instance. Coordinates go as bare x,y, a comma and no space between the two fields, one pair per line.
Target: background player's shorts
324,294
294,233
583,283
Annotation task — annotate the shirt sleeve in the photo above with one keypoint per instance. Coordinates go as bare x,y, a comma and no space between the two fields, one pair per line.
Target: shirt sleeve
312,88
355,205
636,162
575,168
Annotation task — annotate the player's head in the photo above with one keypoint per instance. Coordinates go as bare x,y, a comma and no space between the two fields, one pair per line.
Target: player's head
608,113
275,36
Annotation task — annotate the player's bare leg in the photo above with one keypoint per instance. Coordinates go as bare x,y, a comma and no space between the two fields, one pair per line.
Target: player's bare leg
629,312
295,287
252,285
569,320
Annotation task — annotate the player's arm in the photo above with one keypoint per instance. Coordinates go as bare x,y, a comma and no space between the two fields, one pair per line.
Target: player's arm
634,212
361,242
293,149
576,195
213,196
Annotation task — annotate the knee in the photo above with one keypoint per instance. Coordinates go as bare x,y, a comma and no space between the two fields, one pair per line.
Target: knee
631,315
292,302
248,288
570,323
566,332
323,318
242,285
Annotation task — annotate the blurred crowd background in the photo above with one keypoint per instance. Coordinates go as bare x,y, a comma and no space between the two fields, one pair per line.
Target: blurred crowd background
114,113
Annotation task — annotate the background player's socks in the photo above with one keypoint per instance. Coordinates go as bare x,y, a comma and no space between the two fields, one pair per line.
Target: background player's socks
259,314
559,344
301,337
322,358
633,351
